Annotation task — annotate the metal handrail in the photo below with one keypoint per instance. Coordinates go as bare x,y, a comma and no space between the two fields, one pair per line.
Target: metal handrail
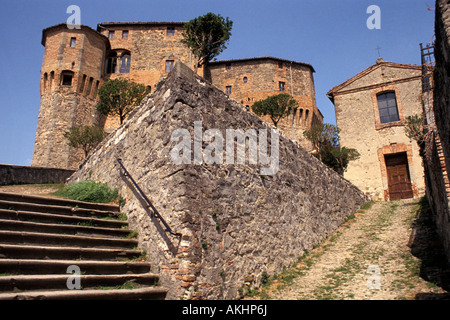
127,174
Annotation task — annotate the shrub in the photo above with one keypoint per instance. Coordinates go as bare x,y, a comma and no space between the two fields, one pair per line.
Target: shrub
88,191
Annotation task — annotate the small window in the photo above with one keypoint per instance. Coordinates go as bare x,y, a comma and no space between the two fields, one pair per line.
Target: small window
228,66
125,34
45,81
94,93
280,65
281,86
169,65
111,34
228,90
83,81
387,107
170,31
245,79
89,87
73,42
66,78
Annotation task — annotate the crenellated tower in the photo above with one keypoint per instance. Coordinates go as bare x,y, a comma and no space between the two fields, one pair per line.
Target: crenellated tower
72,71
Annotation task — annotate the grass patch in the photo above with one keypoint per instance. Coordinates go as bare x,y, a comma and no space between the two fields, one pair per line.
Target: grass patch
88,191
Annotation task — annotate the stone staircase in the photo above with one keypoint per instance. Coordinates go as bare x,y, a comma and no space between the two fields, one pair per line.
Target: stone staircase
41,237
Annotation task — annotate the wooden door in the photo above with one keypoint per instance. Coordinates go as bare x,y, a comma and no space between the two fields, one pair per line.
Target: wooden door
399,181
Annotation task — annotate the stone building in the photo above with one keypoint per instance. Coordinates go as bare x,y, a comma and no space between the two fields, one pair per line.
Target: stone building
252,79
76,61
370,111
72,71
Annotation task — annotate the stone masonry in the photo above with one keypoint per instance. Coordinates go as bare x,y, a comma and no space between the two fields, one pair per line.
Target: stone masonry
358,118
76,61
235,222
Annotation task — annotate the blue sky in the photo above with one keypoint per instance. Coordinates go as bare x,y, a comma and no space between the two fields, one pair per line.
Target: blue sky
329,34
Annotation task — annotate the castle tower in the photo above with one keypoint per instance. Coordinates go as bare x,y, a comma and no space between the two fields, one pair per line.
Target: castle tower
72,71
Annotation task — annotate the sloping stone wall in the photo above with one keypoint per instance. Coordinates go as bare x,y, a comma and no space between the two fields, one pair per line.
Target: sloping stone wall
235,222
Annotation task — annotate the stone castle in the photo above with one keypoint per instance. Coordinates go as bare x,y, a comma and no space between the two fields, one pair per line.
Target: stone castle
76,62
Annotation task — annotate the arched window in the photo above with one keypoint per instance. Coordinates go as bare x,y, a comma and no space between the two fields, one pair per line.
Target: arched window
45,82
118,62
245,79
387,107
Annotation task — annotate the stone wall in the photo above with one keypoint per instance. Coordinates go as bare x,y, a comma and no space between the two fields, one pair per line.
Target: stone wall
12,174
438,145
235,222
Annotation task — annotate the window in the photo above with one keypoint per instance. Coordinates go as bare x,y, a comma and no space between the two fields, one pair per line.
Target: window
125,34
52,76
387,107
66,78
88,90
228,89
111,34
73,42
118,62
281,86
45,82
228,66
169,65
83,81
94,93
170,31
245,79
125,64
280,65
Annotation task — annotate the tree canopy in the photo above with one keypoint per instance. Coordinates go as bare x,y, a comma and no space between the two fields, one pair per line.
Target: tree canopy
85,137
206,36
325,140
276,107
119,96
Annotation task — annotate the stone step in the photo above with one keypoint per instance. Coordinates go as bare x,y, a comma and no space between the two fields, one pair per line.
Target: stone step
18,237
57,202
97,267
62,210
13,251
59,282
115,294
15,225
56,218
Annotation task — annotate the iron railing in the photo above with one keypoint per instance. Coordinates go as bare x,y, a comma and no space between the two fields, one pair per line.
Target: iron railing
147,200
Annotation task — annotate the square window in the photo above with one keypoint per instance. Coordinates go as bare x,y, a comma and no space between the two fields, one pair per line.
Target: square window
228,66
169,65
280,65
281,86
125,34
66,79
111,34
228,89
170,31
73,42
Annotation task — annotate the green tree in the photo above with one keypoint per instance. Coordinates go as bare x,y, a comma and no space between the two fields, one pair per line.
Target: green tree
415,129
325,140
119,96
85,137
206,36
276,107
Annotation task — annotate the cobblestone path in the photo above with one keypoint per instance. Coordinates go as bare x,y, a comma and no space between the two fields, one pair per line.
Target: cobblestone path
386,251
